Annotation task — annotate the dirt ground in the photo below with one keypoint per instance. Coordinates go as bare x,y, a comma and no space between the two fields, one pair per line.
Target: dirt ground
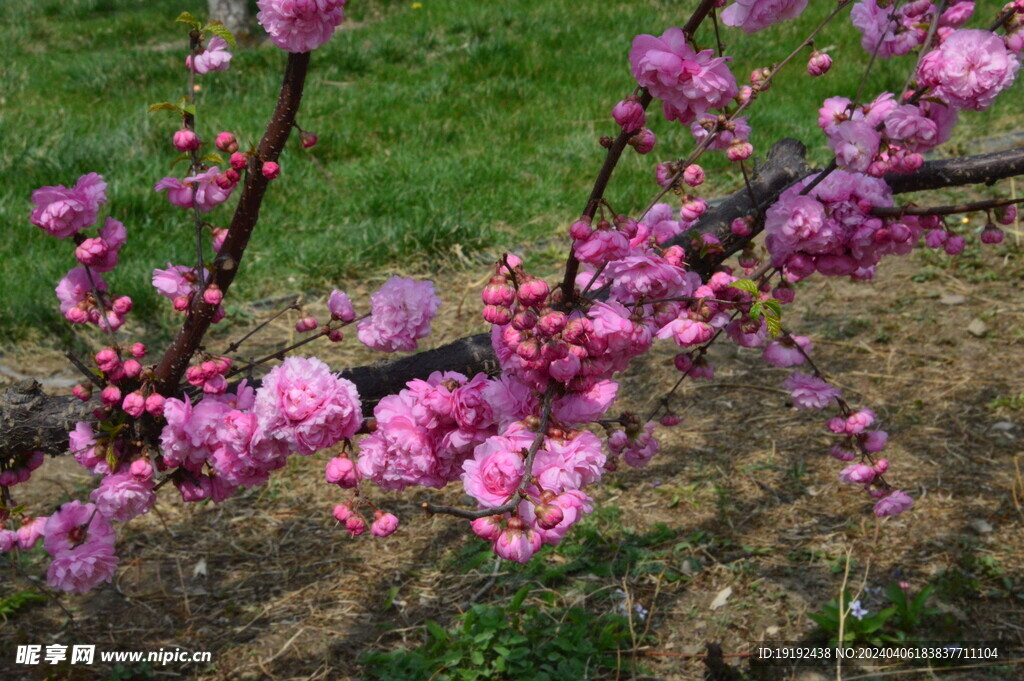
274,589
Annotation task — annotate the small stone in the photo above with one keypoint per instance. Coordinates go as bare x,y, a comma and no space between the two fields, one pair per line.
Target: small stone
977,328
721,598
1003,426
981,526
772,631
953,299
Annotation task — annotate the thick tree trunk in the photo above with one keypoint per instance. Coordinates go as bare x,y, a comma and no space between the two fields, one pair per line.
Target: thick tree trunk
234,14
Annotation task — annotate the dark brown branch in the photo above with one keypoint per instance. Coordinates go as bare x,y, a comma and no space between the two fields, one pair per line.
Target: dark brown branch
971,207
174,362
30,419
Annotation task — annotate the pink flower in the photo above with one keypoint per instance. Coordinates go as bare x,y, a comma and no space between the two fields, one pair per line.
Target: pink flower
494,472
122,496
340,306
603,245
857,474
563,465
384,524
75,287
969,69
300,25
80,569
583,407
891,34
855,144
215,57
175,282
30,532
895,503
75,524
207,192
400,314
686,332
61,211
754,15
689,82
304,405
809,392
785,351
178,193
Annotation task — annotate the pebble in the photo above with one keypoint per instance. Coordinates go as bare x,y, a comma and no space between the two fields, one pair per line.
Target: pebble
977,328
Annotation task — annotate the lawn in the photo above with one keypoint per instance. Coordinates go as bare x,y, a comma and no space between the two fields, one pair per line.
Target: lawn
452,125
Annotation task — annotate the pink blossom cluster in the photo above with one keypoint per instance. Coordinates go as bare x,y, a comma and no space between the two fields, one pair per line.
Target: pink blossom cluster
884,136
25,537
688,82
831,231
754,15
565,461
400,314
214,57
82,292
205,190
300,25
895,30
731,136
179,283
301,407
81,541
426,431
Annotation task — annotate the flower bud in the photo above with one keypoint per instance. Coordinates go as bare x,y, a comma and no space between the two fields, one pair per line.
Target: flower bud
110,395
307,323
955,245
494,314
213,295
674,255
487,528
342,471
1005,215
134,404
336,335
155,404
340,306
533,292
693,175
991,234
308,139
643,141
551,323
122,306
138,350
384,524
132,368
524,320
271,170
227,143
107,360
580,229
549,515
819,63
343,512
881,466
498,292
186,140
629,114
355,524
739,150
82,392
141,469
239,161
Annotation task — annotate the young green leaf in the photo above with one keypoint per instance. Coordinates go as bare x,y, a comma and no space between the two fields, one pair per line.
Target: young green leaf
187,18
218,29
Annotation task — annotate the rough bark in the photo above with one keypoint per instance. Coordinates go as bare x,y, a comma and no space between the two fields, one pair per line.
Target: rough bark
30,419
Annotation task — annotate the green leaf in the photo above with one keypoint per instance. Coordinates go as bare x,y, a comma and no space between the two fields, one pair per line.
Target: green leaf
214,158
163,106
756,310
436,631
217,28
189,109
745,285
180,158
517,600
187,18
390,599
773,324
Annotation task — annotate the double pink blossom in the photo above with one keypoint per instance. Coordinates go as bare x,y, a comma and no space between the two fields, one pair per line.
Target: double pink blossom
62,212
300,25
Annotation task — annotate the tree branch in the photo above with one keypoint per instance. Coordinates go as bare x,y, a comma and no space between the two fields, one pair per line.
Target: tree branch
32,420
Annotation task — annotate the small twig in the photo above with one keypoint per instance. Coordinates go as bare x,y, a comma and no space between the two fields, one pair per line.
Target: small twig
234,346
899,211
90,376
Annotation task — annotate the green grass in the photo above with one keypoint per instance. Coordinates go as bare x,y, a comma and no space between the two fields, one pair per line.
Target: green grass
469,124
